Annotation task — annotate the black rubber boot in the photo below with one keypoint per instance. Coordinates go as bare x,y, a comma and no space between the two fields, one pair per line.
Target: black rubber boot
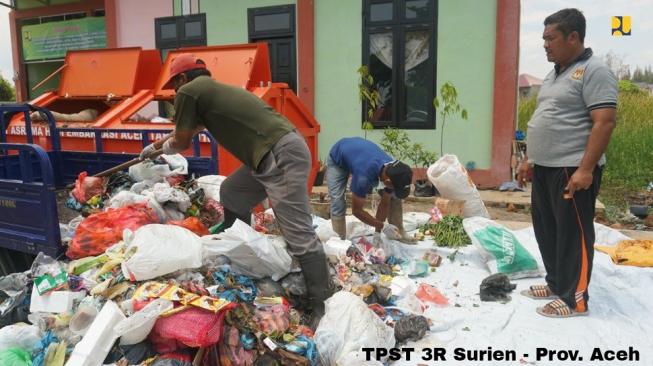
316,275
230,217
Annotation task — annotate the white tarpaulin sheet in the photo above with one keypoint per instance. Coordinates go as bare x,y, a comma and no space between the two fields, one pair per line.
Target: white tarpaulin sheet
620,311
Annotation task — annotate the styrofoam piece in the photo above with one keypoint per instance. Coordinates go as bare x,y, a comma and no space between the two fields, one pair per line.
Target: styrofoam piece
136,328
99,338
54,302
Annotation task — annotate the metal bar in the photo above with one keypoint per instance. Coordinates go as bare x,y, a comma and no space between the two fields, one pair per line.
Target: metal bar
28,127
26,166
98,141
55,72
196,145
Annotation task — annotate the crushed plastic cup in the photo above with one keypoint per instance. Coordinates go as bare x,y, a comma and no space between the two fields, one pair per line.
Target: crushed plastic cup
82,319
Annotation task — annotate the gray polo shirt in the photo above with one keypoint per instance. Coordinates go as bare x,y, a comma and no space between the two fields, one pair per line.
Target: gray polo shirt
561,124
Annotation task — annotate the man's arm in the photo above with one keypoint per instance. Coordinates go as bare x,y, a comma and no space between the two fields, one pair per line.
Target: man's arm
605,120
384,207
357,208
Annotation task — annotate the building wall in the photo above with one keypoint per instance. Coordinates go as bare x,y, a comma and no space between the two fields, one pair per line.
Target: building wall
135,21
465,57
226,21
31,4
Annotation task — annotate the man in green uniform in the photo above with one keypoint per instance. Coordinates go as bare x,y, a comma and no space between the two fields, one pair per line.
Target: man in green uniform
276,161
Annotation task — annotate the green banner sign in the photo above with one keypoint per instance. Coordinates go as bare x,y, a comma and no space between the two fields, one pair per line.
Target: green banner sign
52,40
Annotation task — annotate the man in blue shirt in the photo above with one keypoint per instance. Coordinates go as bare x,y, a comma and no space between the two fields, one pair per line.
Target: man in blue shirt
368,165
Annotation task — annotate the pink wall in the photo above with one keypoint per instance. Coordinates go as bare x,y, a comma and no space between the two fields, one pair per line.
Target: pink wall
135,21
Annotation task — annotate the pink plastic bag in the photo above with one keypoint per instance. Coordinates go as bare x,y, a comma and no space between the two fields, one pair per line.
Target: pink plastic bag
87,187
428,293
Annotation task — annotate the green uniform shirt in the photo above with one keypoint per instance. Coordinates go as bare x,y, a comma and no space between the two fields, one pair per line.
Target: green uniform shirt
241,122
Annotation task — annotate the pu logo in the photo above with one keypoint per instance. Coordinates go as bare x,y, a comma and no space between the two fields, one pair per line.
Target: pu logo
621,26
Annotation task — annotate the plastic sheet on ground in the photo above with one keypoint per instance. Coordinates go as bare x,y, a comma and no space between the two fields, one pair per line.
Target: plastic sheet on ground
619,307
250,252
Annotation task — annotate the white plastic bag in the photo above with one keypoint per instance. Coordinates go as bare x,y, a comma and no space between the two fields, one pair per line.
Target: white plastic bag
19,335
150,171
164,194
335,247
414,220
250,252
162,249
137,327
211,185
125,198
500,248
453,182
347,326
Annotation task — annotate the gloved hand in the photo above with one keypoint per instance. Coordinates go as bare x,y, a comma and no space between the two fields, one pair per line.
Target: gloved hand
147,151
376,241
168,149
391,231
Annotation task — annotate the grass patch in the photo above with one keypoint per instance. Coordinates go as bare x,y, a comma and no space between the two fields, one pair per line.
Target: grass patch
629,166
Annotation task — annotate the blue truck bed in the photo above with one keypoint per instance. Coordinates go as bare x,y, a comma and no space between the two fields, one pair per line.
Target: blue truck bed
30,176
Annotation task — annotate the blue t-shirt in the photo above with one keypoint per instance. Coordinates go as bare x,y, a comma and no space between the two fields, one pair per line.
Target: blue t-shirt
363,159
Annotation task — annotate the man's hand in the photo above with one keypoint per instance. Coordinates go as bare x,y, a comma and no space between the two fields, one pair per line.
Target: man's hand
522,173
147,151
391,231
581,179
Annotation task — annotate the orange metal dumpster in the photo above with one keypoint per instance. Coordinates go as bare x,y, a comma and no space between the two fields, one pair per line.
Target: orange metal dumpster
118,83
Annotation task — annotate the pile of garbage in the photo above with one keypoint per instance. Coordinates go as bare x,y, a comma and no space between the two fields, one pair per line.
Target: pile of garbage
149,278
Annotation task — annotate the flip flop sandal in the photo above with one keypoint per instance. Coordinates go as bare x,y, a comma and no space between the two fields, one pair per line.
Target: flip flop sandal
561,309
539,292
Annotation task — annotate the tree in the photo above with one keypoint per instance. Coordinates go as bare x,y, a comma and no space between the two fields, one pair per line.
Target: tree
447,105
368,93
7,92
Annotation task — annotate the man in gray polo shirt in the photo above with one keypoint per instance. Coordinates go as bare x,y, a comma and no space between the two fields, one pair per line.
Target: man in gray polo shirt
567,136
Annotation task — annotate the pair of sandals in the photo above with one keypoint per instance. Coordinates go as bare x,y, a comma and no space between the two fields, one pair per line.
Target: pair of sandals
556,308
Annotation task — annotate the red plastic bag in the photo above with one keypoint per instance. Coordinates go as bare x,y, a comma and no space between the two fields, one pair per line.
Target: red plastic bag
193,327
101,230
87,187
193,224
428,293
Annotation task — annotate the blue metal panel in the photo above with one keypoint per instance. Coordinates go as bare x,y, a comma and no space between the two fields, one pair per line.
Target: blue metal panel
28,210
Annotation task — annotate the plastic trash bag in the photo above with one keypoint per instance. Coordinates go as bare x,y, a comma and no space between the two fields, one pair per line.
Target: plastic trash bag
19,335
500,248
166,195
211,185
453,182
251,253
347,326
156,243
496,287
192,327
428,293
99,231
15,357
14,289
135,329
125,198
193,224
87,187
414,220
411,327
151,171
336,247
